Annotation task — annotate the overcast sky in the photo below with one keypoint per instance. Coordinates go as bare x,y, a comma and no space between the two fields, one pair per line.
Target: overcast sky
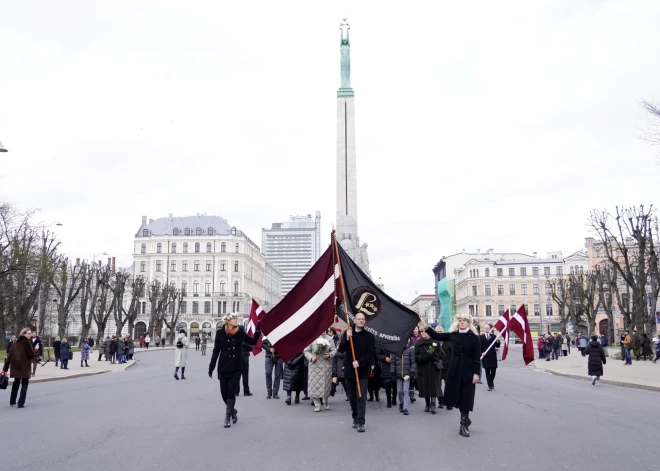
479,124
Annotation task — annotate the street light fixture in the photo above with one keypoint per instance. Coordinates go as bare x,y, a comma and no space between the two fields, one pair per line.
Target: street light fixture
96,255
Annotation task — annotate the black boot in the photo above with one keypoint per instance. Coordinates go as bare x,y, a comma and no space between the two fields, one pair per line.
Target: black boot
86,363
371,396
234,413
441,403
227,420
412,397
377,396
183,373
433,409
81,363
463,430
389,402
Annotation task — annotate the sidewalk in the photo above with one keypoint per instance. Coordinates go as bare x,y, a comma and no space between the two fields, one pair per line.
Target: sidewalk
641,374
49,372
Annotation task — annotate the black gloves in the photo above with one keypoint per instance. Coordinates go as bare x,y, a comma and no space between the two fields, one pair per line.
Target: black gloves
211,374
258,327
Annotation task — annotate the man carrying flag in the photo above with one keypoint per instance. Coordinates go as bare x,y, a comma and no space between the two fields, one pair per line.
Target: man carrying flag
489,357
502,326
520,325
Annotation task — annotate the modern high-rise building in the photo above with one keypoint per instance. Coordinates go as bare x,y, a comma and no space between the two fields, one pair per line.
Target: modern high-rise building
293,247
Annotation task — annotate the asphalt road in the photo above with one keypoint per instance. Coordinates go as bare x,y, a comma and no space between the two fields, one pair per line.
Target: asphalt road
144,419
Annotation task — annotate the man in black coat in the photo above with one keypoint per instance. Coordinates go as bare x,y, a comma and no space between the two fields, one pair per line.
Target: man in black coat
365,351
246,350
489,360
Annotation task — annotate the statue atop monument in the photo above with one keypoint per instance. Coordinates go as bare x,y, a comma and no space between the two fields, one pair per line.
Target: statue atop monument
345,60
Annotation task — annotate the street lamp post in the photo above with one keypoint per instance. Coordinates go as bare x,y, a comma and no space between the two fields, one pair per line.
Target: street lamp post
96,255
547,279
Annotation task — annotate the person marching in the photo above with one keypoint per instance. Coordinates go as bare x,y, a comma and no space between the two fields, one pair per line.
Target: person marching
227,354
596,360
429,356
319,354
205,341
181,354
464,365
489,360
272,362
403,369
364,345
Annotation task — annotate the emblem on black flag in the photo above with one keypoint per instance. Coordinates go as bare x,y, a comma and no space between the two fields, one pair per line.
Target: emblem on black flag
367,302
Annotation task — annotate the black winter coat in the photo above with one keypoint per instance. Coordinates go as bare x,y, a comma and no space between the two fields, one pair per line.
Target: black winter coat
428,376
65,351
294,373
365,353
596,358
228,351
490,359
446,347
464,364
381,358
56,348
338,366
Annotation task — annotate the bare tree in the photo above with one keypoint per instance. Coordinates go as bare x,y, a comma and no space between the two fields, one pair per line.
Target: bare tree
119,290
628,240
67,286
652,135
103,299
137,291
173,296
576,297
608,291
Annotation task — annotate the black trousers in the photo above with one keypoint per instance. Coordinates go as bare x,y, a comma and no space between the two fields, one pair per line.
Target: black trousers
490,376
14,391
387,384
228,385
358,404
246,376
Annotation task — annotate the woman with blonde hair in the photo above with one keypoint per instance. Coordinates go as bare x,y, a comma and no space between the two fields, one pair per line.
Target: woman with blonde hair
464,366
19,364
65,354
227,353
56,349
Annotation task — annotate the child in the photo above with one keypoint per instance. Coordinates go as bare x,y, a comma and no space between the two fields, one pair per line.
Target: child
404,368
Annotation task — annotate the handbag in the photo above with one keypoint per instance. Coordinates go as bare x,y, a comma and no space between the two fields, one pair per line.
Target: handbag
4,381
71,355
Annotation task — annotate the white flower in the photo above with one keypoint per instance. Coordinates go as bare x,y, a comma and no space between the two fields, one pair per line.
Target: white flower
435,344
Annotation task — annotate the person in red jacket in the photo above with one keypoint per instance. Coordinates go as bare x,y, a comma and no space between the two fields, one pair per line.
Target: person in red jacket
540,345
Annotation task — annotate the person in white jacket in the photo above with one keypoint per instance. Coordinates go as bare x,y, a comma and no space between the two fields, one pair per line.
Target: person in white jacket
181,354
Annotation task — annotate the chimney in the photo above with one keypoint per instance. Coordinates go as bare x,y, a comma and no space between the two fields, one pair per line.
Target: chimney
144,221
109,262
113,264
77,262
151,221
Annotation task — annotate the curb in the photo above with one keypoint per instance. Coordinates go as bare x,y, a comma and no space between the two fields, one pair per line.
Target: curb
605,381
78,375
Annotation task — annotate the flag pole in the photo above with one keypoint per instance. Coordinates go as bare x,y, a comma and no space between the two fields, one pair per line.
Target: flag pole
493,342
348,321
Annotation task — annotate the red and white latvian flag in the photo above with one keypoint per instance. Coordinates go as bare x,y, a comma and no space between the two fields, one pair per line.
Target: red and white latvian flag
306,311
255,312
520,325
502,325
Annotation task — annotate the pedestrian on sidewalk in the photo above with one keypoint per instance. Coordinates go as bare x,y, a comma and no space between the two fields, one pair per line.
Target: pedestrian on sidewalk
65,354
627,344
103,348
596,360
540,346
556,346
198,342
584,343
162,341
130,346
90,342
637,345
84,352
547,347
121,350
56,349
18,364
11,342
147,341
141,341
272,362
226,352
157,340
181,354
567,337
403,368
657,351
113,349
39,350
646,346
205,341
565,345
603,341
622,338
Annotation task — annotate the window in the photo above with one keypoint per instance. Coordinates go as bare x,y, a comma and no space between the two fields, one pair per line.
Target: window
196,265
185,247
198,231
173,247
143,248
210,231
220,307
184,288
236,247
512,272
512,308
235,288
222,288
537,309
489,310
548,288
187,231
209,247
523,271
144,307
572,269
143,266
500,290
235,266
500,309
512,289
527,308
158,265
183,307
233,231
196,289
487,290
223,247
546,271
474,291
236,306
523,289
184,265
535,288
560,271
487,271
196,247
548,309
207,307
582,270
500,272
208,266
145,233
173,266
175,231
159,248
624,302
207,288
535,271
195,307
223,265
471,309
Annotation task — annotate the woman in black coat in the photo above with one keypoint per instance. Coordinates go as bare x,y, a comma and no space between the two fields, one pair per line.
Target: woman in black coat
65,354
294,377
596,360
227,353
56,349
464,366
428,356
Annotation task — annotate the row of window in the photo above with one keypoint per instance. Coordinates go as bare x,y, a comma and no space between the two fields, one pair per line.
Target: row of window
173,247
184,265
187,231
473,309
559,271
208,288
512,289
183,305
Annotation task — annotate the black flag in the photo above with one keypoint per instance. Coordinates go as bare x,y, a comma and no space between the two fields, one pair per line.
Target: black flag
390,322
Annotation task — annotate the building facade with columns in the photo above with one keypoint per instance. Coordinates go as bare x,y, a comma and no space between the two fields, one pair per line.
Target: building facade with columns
218,267
485,288
423,306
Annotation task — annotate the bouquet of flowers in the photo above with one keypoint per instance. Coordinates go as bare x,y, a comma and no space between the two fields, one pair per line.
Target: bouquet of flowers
432,349
322,346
